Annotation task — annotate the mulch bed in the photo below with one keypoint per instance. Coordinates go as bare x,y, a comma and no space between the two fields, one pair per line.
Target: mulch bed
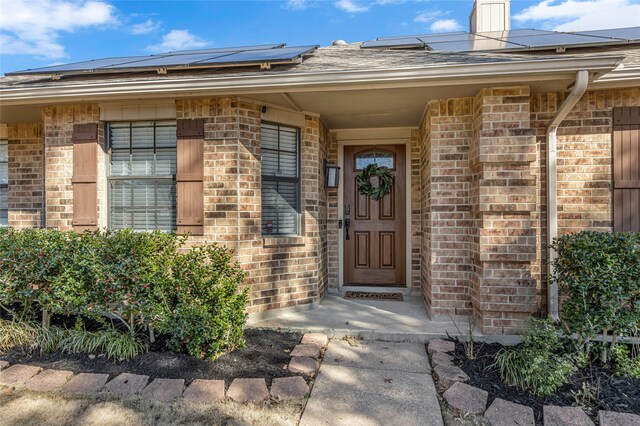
266,354
620,394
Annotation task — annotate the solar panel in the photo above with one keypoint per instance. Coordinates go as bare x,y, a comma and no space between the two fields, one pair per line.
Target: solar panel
400,43
85,65
512,40
285,54
182,59
556,40
450,37
453,34
168,60
631,34
226,49
515,33
473,45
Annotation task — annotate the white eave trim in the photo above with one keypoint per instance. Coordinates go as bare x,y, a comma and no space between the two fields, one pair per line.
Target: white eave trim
458,74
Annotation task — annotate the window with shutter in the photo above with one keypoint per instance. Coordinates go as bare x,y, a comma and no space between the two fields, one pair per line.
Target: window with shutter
4,183
141,176
280,180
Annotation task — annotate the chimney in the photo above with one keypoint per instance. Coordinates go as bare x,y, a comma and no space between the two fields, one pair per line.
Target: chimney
490,15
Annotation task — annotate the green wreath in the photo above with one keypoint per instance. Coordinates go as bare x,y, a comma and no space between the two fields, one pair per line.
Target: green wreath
385,181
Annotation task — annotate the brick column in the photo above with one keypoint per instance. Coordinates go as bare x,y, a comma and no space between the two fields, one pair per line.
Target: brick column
446,217
503,192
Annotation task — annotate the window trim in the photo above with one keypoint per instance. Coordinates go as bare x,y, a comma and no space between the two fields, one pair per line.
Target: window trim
134,177
297,180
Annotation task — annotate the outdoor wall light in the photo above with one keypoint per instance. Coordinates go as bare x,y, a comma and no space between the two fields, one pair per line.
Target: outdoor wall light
331,174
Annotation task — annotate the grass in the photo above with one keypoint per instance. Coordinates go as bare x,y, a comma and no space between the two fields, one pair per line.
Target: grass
14,333
27,408
116,345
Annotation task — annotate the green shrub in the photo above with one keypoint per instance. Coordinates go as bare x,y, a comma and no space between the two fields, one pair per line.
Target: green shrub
142,280
598,275
123,272
204,311
539,364
32,263
627,364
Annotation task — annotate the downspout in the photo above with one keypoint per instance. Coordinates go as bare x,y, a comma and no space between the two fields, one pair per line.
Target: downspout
580,86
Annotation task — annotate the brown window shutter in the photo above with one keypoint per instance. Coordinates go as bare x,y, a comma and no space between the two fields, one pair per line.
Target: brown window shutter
85,176
626,169
190,176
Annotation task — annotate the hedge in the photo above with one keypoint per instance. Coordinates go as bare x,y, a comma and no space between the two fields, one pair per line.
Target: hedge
598,274
140,280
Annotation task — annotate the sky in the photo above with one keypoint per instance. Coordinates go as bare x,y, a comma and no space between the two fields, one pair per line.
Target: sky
38,33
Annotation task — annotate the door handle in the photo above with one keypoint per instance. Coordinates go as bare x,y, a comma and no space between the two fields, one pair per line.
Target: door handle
347,224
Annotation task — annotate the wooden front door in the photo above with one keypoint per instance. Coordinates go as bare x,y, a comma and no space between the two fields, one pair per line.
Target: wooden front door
375,240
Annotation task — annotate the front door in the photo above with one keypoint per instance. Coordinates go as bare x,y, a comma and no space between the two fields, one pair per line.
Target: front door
375,240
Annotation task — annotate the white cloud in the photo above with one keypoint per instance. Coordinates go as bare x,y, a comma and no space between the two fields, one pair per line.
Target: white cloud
580,15
445,25
426,16
178,40
296,4
351,6
33,27
145,27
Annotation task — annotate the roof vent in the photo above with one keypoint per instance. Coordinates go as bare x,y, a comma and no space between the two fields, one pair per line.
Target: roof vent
338,43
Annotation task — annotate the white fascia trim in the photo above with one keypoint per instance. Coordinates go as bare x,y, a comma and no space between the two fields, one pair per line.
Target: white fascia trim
305,82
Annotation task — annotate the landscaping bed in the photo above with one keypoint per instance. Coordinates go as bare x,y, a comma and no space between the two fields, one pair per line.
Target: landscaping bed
266,354
619,394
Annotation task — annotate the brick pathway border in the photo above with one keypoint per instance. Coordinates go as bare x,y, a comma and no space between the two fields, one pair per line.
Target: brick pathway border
200,390
467,399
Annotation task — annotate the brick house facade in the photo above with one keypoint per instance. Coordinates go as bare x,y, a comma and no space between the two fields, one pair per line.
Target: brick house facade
476,220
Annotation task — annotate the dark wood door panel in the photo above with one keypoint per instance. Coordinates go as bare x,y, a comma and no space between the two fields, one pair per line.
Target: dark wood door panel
375,253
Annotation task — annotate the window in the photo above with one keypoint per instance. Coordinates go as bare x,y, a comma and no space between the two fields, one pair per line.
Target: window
280,180
4,183
381,158
141,176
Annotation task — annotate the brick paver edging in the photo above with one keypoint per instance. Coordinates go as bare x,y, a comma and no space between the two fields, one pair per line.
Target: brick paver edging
305,358
471,400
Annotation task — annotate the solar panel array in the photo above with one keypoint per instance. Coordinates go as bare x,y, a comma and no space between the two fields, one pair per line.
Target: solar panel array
206,58
512,40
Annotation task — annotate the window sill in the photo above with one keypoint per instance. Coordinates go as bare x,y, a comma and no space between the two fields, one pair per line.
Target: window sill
283,241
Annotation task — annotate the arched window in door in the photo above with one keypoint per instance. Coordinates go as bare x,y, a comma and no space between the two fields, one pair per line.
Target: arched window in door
381,157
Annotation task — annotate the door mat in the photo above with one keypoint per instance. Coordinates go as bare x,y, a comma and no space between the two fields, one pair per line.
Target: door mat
369,295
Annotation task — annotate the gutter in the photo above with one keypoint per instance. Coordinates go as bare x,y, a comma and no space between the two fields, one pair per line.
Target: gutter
579,88
291,82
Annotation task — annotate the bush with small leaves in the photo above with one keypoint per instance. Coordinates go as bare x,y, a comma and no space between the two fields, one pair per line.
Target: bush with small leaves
142,280
204,309
599,276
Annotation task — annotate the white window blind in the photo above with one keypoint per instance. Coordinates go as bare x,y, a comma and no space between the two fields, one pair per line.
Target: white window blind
4,183
142,188
280,179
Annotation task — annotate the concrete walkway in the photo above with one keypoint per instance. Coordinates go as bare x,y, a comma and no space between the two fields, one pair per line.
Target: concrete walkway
373,384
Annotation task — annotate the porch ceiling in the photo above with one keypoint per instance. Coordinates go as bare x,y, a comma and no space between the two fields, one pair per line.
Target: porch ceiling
397,107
